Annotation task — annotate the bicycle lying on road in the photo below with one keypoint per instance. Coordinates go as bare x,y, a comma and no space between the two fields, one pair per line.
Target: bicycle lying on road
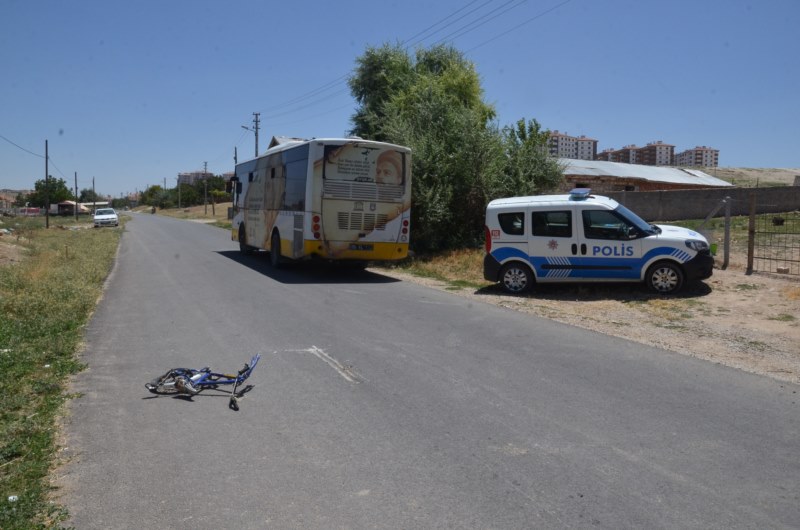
190,381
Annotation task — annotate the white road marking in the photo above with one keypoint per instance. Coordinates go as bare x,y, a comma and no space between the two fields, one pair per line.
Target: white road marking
345,371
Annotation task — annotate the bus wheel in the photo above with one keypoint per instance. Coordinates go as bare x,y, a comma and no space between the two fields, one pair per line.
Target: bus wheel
244,248
664,277
275,250
516,278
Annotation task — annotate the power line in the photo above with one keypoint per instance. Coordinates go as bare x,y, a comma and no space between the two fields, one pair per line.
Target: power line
475,24
311,93
421,36
20,147
310,104
50,158
540,15
408,42
334,83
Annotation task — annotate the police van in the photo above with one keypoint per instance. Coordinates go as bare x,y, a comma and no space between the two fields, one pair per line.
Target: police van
581,237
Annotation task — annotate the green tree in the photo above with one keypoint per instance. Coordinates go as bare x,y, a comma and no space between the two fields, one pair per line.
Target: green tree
529,168
434,104
380,74
189,196
156,196
455,158
52,191
88,195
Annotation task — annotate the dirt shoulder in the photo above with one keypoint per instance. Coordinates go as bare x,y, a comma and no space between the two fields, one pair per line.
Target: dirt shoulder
749,322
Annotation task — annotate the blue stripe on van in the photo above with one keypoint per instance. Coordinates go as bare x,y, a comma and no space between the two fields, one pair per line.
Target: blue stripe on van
584,267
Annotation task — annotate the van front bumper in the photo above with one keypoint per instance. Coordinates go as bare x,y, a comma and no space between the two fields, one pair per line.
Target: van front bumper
699,267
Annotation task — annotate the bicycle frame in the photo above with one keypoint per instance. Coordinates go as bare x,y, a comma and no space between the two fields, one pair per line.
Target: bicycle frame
191,381
205,378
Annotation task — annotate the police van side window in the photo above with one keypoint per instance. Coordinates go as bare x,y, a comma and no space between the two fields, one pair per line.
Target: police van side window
512,223
552,224
604,224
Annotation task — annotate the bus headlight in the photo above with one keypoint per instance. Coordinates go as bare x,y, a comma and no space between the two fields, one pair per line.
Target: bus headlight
697,245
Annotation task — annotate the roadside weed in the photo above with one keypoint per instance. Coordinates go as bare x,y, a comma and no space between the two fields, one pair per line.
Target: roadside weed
45,301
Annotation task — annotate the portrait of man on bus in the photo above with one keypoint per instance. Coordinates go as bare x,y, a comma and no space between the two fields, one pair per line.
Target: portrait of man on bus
389,168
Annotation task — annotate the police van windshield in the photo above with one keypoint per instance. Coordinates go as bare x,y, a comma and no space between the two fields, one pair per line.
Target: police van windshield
637,221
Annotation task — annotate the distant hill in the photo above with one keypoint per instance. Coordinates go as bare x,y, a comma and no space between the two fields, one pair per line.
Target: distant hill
753,177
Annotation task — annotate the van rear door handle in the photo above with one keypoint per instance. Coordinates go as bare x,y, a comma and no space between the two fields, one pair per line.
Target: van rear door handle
574,249
583,249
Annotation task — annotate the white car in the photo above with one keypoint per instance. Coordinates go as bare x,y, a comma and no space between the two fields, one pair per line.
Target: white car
106,217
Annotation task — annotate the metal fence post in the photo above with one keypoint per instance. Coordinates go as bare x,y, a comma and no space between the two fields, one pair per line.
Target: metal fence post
751,234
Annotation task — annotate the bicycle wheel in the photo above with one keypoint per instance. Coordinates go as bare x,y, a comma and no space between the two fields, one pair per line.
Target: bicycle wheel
162,385
166,384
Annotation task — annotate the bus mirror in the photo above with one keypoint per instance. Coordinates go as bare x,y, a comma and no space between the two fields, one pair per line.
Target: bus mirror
238,187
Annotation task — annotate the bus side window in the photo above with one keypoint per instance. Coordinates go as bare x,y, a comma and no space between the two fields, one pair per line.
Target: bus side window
512,223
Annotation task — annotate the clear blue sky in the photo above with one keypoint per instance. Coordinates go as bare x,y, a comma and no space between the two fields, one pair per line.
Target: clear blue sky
132,93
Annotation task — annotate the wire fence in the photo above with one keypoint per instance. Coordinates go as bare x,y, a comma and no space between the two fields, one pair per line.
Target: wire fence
775,243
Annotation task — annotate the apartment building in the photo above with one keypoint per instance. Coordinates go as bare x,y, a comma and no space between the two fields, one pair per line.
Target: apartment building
563,145
626,155
700,156
656,154
586,148
192,177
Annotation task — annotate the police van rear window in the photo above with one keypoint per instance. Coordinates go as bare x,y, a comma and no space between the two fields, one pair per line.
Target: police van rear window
512,223
552,224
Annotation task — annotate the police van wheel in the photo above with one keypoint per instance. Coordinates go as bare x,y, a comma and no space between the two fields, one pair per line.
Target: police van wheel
516,278
665,277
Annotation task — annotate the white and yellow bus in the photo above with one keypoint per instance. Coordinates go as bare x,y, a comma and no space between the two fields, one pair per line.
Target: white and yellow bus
338,199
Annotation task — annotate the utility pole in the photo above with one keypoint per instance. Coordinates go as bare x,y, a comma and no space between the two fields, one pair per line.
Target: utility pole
76,197
94,198
205,188
256,115
255,128
46,187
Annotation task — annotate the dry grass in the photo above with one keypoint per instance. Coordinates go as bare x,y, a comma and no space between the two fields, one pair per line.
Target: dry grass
46,299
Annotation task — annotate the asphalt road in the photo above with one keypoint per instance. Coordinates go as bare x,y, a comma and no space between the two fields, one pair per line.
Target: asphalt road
382,404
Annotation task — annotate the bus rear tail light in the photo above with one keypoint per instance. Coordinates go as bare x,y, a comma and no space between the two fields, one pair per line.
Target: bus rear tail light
316,226
405,226
487,239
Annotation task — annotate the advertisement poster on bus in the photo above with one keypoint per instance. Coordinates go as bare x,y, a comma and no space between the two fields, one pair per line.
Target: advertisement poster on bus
356,163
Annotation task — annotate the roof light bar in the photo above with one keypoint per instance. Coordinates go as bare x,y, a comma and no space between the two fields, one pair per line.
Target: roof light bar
579,194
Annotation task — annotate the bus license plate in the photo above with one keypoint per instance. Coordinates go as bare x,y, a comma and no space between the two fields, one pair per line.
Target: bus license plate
360,246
